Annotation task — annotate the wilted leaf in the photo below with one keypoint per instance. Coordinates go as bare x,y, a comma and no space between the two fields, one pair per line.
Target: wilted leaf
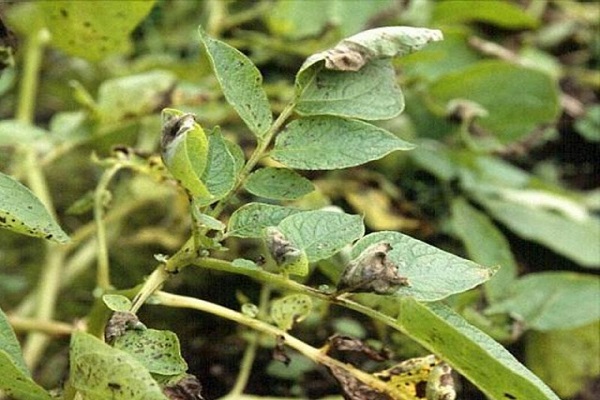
22,212
322,143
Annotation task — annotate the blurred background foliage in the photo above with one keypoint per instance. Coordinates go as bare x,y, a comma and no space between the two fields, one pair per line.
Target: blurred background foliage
505,113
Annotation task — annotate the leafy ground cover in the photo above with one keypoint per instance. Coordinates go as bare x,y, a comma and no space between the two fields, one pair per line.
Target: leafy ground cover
300,199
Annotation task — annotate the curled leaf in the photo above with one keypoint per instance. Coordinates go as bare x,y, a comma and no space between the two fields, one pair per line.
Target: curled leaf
290,309
184,148
119,323
346,343
354,389
186,388
287,255
372,271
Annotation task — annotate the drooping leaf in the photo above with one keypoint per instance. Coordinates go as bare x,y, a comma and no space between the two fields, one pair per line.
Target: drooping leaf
370,93
321,143
133,96
93,30
22,212
576,239
432,274
17,383
552,300
466,349
158,351
184,150
241,83
101,372
565,359
494,85
486,245
278,183
220,173
500,13
290,309
251,219
321,234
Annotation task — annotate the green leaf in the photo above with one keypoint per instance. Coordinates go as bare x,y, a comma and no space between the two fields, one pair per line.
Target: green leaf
576,239
588,126
117,302
370,93
134,95
278,184
352,53
10,345
296,19
321,234
184,148
14,133
471,352
22,212
566,359
101,372
321,143
433,274
220,173
158,351
241,83
250,220
499,13
17,383
290,309
486,245
517,99
552,300
93,30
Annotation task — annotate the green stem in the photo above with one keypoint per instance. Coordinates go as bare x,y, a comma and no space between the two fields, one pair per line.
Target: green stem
103,271
250,353
314,354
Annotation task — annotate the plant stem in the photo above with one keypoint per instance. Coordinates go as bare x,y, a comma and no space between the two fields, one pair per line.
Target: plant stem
103,268
48,327
250,353
314,354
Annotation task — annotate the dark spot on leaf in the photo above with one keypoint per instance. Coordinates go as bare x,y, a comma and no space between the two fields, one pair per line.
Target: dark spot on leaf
510,396
49,236
114,386
87,24
64,13
3,220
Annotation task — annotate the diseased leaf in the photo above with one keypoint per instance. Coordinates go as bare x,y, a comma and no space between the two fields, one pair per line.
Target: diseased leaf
288,310
158,351
321,234
288,256
445,333
241,83
22,212
352,53
278,183
552,300
17,383
370,93
93,30
433,274
250,220
101,372
486,245
322,143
